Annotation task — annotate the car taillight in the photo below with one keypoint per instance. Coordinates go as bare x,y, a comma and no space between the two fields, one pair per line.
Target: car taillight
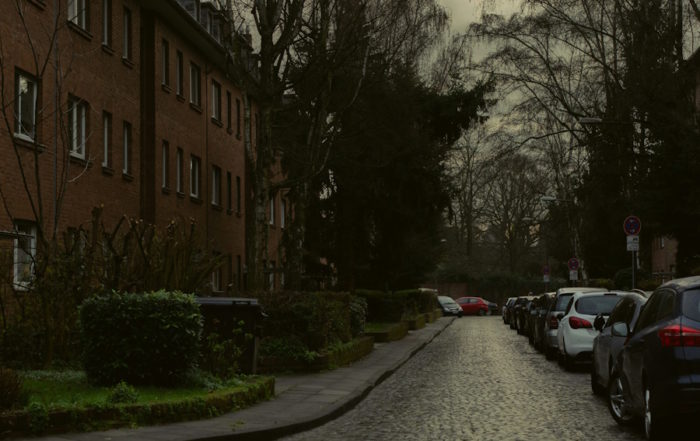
576,323
677,335
553,323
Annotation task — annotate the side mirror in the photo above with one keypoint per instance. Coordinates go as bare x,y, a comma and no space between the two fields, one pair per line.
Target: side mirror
560,316
599,322
620,329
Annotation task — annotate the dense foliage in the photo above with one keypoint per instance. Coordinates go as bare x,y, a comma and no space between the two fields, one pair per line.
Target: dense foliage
396,306
11,386
150,338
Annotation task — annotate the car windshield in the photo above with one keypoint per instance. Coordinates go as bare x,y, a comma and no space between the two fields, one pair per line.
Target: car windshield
594,305
691,304
446,301
562,301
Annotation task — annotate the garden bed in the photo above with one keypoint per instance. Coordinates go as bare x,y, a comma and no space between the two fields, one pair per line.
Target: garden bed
416,322
338,355
384,332
67,403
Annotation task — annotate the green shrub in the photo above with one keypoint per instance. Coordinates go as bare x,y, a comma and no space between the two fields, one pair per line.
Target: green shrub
286,348
383,306
220,355
316,319
418,301
122,393
358,315
38,418
12,392
150,338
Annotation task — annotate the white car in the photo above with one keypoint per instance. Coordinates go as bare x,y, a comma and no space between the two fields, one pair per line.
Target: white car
576,331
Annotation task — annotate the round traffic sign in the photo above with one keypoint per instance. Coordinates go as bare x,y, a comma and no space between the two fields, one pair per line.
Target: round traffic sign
573,264
632,225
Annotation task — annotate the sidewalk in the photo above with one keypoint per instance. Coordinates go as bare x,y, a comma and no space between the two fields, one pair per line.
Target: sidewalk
301,402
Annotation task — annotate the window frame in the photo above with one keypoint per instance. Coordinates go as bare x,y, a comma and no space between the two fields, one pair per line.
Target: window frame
216,100
106,139
78,13
23,284
238,195
165,63
127,148
165,165
179,170
179,73
77,113
215,186
272,210
127,50
107,23
18,132
229,200
195,176
195,85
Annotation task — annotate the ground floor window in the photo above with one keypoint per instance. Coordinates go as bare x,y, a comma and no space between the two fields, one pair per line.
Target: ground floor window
24,254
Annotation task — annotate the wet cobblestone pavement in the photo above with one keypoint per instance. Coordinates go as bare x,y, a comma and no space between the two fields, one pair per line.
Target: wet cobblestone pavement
478,380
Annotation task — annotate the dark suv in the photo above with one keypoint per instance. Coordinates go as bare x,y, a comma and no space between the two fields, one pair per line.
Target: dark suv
657,373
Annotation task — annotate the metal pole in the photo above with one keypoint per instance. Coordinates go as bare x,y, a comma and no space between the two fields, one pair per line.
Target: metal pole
633,265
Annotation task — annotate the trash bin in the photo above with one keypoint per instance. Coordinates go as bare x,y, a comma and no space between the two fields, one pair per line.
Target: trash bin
222,316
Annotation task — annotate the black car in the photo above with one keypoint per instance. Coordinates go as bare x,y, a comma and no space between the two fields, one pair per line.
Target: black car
520,312
449,306
537,319
508,310
657,373
607,346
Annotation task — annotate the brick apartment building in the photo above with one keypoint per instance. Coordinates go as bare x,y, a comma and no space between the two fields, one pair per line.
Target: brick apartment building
133,109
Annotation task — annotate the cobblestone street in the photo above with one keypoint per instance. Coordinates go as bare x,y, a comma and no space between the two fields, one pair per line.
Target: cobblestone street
478,380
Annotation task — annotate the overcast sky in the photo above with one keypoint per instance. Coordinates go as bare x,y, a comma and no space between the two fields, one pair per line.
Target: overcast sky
464,12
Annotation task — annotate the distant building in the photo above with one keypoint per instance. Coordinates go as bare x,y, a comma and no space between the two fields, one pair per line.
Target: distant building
663,258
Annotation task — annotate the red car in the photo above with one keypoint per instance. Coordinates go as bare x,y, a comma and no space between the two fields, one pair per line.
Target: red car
473,305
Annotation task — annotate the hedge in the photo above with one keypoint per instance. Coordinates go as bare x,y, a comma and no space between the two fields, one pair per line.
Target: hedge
150,338
393,307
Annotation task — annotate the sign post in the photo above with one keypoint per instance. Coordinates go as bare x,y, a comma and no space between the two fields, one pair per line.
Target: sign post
573,265
632,226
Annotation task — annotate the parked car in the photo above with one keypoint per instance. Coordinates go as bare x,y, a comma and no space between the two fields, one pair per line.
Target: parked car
576,333
520,311
493,307
538,332
607,346
507,308
555,313
449,306
657,373
473,305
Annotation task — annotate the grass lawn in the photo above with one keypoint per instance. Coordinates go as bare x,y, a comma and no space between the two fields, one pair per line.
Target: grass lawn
71,389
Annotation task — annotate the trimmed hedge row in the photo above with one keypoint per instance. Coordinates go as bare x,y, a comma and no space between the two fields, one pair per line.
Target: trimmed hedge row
394,307
150,338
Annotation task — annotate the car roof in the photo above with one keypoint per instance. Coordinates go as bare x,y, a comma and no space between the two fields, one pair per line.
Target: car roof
575,289
601,292
683,284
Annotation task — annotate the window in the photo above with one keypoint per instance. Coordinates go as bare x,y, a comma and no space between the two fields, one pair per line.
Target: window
215,31
127,34
216,280
228,111
238,118
24,253
215,186
179,72
126,169
77,125
165,165
106,139
25,106
215,100
77,13
271,276
194,85
238,194
283,213
178,171
107,22
272,209
165,61
195,165
662,242
228,192
192,6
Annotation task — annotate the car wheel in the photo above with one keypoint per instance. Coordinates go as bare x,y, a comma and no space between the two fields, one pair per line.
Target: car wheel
595,384
481,312
617,402
564,359
653,425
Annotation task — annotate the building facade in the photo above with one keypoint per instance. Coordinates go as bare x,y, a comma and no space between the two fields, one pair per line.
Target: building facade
130,105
